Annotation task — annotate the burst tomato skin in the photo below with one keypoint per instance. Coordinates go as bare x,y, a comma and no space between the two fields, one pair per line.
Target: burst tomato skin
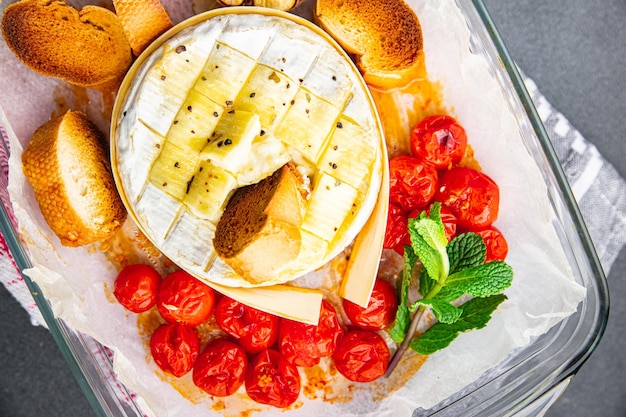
136,287
272,380
184,299
221,368
175,348
304,344
362,356
380,310
255,330
497,246
397,232
412,182
440,140
473,197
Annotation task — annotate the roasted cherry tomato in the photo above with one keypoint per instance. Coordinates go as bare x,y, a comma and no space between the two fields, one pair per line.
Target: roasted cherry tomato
221,368
472,197
412,182
497,247
440,140
254,329
175,348
304,344
136,287
397,233
362,356
380,310
184,299
447,218
273,380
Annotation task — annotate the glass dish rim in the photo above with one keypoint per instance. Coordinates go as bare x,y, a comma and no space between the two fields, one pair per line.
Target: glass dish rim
104,402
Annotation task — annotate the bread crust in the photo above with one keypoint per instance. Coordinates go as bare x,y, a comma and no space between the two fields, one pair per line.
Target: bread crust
384,36
87,48
259,231
143,21
87,209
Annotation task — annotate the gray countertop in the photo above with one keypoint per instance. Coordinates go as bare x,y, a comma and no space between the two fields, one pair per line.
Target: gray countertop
575,51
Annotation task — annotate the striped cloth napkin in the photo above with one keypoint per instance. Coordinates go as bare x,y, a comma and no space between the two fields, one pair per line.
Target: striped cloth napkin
598,188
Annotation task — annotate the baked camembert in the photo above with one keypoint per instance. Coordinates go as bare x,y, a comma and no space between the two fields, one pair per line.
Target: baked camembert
227,100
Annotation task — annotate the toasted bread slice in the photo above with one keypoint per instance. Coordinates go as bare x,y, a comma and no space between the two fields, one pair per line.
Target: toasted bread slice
86,48
142,20
384,36
67,165
259,231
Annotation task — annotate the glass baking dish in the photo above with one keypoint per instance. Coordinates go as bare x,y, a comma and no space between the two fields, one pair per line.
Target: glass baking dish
529,379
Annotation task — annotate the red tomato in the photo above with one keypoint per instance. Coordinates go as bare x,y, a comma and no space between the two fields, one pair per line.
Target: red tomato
397,233
136,287
362,356
254,329
175,348
440,140
184,299
221,369
412,182
497,247
304,344
472,197
380,310
273,380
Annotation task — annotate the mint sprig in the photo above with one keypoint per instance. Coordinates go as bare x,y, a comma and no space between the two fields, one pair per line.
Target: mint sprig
449,271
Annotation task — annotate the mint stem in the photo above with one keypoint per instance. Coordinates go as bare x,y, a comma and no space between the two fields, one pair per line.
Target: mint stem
405,343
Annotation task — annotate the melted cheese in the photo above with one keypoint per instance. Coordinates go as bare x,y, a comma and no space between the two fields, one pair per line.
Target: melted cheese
225,102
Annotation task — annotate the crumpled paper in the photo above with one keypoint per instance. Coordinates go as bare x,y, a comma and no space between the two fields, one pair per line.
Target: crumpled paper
78,281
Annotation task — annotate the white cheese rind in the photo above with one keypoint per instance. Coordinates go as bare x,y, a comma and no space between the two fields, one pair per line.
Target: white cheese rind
282,89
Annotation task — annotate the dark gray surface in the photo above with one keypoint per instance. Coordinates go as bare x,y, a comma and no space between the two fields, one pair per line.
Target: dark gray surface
575,50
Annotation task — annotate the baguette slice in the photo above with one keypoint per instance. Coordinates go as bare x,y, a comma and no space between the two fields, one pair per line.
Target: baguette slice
384,36
259,232
143,21
87,48
67,165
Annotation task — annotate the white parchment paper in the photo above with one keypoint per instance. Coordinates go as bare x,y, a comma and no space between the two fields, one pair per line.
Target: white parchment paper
77,281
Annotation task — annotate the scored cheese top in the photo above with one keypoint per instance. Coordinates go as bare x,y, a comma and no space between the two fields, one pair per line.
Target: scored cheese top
224,101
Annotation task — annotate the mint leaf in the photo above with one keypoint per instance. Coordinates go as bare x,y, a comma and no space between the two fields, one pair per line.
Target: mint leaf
444,311
403,315
448,294
434,213
483,280
476,313
426,283
465,251
428,239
